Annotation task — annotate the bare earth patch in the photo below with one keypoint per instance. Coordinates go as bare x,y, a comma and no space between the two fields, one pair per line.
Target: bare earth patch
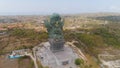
5,62
8,63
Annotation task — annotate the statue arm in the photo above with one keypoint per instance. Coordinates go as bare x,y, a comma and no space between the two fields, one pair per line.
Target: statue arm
62,21
47,25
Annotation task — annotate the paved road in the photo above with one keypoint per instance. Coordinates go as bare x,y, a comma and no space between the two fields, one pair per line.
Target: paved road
77,51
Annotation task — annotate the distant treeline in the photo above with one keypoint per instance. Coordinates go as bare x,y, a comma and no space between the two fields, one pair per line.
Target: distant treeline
8,20
108,18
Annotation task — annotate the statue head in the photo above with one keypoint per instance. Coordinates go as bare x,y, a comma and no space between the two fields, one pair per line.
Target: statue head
55,17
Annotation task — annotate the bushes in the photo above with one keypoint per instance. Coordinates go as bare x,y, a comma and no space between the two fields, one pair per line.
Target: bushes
29,33
79,61
90,40
23,32
109,36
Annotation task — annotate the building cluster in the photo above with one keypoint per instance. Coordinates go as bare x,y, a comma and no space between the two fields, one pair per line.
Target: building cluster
26,22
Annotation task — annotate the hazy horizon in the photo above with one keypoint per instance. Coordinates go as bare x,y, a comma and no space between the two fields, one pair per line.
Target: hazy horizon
45,7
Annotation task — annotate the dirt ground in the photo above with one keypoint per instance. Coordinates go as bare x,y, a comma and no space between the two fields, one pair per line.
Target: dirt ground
8,63
5,62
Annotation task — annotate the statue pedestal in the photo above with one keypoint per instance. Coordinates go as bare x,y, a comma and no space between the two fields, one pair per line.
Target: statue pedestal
56,45
60,59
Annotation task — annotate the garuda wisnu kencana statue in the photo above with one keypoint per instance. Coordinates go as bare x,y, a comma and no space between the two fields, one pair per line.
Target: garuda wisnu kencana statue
55,31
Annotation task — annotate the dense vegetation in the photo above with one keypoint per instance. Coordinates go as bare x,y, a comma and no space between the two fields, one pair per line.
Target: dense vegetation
109,38
97,38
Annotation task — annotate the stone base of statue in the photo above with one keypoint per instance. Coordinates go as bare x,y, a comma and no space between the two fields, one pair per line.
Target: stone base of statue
56,44
60,59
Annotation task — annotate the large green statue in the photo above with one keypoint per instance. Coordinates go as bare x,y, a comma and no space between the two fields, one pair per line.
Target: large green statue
55,30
